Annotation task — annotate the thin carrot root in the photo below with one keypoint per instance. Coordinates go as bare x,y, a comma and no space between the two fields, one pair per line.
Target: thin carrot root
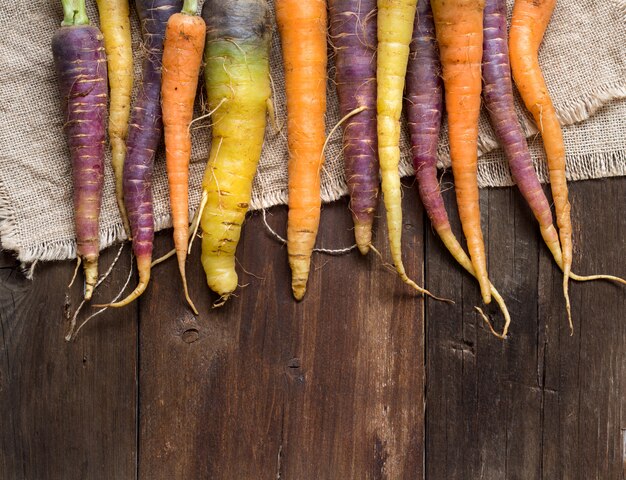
168,255
346,117
181,268
402,274
485,318
73,331
507,317
195,223
271,113
143,267
78,262
422,290
568,308
588,278
551,239
196,219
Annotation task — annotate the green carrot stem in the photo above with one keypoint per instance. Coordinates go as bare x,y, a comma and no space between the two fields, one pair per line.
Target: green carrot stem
190,7
74,13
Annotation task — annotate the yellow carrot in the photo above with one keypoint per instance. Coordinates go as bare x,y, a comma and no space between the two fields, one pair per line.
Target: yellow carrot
238,88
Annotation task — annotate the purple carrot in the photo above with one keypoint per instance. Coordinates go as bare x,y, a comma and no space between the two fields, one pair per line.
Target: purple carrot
80,61
353,35
144,135
424,105
498,97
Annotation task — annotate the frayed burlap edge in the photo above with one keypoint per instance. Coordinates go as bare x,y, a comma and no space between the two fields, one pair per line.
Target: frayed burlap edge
490,174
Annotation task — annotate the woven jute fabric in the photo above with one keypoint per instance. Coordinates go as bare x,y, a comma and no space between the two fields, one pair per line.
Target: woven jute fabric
583,58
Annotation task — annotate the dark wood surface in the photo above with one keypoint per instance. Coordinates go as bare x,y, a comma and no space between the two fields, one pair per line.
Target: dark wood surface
361,380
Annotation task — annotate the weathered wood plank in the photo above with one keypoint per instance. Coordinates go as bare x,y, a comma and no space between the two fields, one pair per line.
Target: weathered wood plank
331,387
585,374
69,410
542,404
473,379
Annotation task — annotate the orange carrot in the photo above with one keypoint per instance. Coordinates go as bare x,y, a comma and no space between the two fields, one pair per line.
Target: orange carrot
528,25
302,27
182,56
459,27
530,20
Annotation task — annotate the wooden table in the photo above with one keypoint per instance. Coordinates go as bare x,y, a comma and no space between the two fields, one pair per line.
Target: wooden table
362,380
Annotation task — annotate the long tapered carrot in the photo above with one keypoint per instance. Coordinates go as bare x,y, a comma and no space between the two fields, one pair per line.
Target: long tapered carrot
353,37
80,61
115,26
144,135
237,78
182,57
395,27
424,106
528,25
498,96
459,29
302,27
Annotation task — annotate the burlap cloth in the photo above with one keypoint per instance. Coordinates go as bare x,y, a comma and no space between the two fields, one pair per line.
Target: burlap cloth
583,57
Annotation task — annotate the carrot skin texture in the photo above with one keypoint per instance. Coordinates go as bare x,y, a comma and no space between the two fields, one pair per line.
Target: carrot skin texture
424,106
182,56
302,27
353,36
144,136
394,32
459,28
115,25
528,25
80,62
237,81
498,97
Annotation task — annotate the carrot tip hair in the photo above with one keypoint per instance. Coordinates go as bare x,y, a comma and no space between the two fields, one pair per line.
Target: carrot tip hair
402,274
363,237
568,307
423,291
183,276
501,336
143,267
589,278
505,311
78,262
90,266
221,301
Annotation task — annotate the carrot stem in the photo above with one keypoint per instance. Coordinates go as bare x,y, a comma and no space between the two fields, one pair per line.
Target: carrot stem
74,13
190,7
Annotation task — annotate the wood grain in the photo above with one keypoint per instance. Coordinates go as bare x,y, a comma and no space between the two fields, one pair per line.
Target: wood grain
543,404
69,409
271,388
334,386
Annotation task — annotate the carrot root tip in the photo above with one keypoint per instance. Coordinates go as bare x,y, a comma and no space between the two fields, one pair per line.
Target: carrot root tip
78,262
221,301
143,267
568,307
501,336
91,276
298,291
181,268
363,237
